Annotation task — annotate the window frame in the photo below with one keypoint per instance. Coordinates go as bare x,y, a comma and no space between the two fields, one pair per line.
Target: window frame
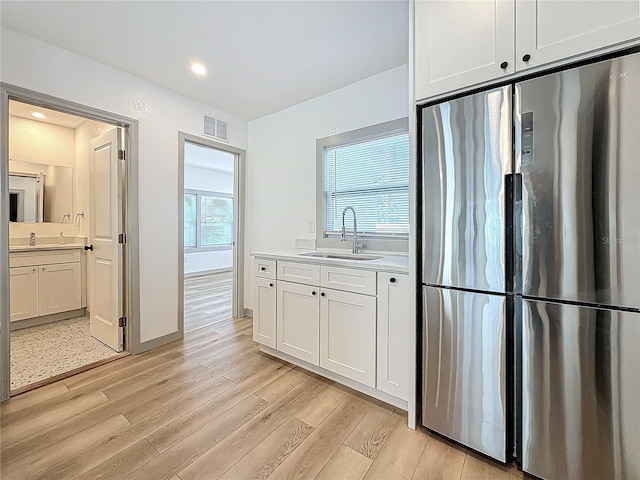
378,242
199,194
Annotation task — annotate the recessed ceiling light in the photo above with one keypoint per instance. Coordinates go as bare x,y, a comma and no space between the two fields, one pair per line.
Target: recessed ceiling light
38,115
198,68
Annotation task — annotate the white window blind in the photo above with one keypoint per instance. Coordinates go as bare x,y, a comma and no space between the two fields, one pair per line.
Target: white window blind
372,176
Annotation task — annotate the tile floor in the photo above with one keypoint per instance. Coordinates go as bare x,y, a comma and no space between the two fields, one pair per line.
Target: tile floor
41,352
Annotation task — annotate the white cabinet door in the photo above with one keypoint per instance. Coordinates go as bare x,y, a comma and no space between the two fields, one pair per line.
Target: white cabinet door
297,325
395,325
462,43
264,311
59,288
348,335
550,30
23,293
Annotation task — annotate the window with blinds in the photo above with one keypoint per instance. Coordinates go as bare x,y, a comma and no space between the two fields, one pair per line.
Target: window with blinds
208,220
372,176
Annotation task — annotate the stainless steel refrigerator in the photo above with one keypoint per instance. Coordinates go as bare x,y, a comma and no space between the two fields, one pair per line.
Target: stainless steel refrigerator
531,271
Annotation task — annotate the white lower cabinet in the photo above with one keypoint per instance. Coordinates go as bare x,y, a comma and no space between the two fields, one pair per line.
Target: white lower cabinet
394,334
59,288
351,322
348,335
297,321
23,293
39,286
264,311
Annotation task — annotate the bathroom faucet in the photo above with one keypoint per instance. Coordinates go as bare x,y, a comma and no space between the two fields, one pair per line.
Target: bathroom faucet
343,237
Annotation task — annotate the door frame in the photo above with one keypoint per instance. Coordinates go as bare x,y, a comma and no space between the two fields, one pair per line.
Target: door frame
237,309
131,277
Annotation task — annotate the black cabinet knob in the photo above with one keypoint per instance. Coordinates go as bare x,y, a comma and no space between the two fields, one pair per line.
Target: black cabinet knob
526,58
271,284
504,65
263,268
392,280
322,294
90,247
313,293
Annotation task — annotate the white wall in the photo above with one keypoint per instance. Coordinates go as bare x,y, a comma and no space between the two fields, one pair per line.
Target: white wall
38,66
207,180
39,142
281,163
211,181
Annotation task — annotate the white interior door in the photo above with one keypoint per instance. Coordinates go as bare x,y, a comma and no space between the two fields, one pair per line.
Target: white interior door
105,260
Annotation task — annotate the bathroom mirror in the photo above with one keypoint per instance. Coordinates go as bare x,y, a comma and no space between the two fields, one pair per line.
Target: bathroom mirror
40,193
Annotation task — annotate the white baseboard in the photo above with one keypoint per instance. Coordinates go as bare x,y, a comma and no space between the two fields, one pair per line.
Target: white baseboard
34,322
202,273
248,312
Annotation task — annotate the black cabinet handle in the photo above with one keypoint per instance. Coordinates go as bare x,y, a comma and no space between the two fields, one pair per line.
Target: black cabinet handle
271,284
526,57
504,65
313,293
392,280
322,294
263,268
90,247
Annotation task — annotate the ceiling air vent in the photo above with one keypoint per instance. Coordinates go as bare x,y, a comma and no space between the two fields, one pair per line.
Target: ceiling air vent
215,128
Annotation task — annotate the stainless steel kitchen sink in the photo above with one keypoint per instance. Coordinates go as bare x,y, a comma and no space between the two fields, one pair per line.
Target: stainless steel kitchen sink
341,256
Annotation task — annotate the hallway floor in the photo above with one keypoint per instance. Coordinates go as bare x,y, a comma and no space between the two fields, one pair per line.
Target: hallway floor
207,299
42,352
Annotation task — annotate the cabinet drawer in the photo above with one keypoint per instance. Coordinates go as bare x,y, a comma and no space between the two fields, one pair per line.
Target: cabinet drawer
43,257
299,273
348,279
264,268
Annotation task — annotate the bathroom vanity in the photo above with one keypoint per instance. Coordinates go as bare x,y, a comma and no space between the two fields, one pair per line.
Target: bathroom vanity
345,317
47,283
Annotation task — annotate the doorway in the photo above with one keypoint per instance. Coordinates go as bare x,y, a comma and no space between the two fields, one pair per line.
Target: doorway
211,193
64,263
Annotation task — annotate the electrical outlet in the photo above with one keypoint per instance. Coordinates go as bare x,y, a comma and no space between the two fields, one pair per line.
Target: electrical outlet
312,226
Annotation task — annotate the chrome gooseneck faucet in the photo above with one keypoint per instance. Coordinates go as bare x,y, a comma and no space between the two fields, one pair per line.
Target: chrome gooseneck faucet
343,237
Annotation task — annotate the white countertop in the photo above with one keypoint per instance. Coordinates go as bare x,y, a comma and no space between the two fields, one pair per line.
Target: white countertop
386,263
32,248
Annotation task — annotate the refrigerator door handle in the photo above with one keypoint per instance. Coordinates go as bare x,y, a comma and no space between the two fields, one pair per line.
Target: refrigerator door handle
518,233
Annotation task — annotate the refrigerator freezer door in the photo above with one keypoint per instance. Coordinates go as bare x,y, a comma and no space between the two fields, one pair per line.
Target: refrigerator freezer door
466,154
577,144
580,407
464,395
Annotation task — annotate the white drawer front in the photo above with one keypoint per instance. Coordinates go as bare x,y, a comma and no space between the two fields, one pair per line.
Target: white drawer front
264,268
43,257
348,279
299,273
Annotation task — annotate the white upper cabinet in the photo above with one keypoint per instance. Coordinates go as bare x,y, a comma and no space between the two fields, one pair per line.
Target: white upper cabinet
461,43
551,30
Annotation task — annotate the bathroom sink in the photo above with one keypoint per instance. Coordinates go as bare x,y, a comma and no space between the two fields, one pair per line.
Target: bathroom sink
341,256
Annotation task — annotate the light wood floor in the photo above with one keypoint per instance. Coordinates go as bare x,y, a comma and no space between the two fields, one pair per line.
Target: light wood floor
211,406
207,299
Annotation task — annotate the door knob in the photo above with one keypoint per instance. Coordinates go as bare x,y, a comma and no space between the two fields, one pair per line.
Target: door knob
504,65
526,57
88,247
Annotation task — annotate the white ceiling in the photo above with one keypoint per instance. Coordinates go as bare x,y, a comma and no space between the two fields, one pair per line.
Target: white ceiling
53,117
206,157
261,56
